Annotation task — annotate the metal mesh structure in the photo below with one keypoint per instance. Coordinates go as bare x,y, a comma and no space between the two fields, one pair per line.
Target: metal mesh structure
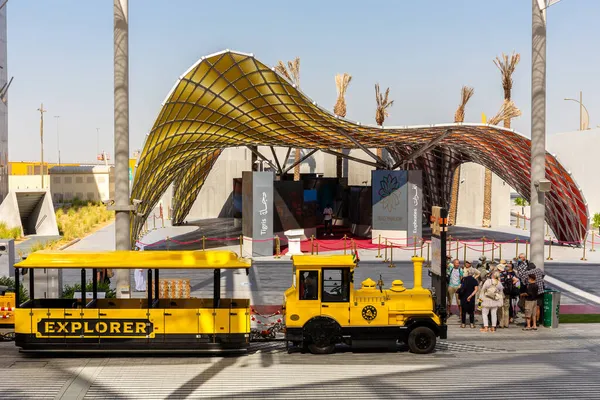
231,99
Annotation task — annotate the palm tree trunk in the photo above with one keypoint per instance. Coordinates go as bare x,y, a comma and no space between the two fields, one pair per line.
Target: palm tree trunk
297,167
487,199
452,214
487,190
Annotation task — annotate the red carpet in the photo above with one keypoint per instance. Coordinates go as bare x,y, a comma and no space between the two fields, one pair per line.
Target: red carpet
337,242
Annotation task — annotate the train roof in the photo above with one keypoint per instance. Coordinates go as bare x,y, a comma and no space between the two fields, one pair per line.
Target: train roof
211,259
323,261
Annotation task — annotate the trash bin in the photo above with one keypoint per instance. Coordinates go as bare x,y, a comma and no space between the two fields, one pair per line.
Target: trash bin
551,308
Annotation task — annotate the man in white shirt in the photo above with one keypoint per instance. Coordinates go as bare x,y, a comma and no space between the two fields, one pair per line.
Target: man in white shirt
328,219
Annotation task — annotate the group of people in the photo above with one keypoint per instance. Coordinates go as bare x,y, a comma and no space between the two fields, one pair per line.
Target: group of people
496,288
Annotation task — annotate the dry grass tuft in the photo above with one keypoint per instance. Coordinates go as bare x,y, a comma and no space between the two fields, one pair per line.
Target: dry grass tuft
508,111
291,72
383,103
466,94
507,65
341,84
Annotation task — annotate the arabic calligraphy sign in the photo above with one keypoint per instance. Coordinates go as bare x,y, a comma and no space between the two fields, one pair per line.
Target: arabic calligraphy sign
415,206
390,190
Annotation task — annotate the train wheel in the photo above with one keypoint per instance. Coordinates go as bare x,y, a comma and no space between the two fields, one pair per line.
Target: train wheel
421,340
321,348
321,333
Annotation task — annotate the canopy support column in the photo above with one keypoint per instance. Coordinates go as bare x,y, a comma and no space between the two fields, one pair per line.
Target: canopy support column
254,150
374,156
348,157
423,149
300,161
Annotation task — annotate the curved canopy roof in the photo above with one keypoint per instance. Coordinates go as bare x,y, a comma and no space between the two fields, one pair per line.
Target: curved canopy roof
231,99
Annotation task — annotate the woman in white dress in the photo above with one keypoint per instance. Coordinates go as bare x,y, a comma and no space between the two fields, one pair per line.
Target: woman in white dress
140,277
492,294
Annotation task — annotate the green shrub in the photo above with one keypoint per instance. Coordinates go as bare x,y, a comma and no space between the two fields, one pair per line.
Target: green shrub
10,283
69,290
596,220
9,233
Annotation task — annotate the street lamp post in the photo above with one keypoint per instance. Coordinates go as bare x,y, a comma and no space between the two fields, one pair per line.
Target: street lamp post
582,126
538,130
42,111
57,138
122,204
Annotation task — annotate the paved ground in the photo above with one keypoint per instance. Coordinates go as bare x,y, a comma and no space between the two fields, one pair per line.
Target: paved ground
545,364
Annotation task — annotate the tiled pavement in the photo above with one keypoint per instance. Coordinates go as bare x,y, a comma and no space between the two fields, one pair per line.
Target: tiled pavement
548,363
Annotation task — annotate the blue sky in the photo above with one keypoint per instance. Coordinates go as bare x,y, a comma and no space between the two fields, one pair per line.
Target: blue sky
61,52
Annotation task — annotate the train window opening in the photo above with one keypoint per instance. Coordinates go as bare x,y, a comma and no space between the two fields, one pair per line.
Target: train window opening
336,285
309,282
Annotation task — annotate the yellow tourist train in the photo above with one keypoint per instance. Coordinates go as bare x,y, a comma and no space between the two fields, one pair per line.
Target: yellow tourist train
146,324
321,308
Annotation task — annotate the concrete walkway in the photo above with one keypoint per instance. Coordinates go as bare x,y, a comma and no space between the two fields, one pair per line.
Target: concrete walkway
561,363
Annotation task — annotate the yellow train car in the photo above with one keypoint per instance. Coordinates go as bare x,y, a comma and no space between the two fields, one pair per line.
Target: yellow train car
7,310
322,308
137,324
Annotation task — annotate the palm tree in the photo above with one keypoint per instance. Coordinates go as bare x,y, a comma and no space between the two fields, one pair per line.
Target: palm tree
507,65
341,84
381,112
459,116
292,73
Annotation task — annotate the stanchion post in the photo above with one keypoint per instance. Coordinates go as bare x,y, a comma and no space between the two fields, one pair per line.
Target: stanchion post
167,240
391,258
500,251
464,253
241,246
317,248
312,245
593,234
277,247
154,221
518,220
517,248
483,247
415,246
345,240
163,221
524,223
385,249
428,253
493,248
378,247
550,250
584,246
457,247
422,245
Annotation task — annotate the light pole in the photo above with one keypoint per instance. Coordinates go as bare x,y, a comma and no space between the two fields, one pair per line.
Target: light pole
122,204
538,130
582,126
42,111
57,138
